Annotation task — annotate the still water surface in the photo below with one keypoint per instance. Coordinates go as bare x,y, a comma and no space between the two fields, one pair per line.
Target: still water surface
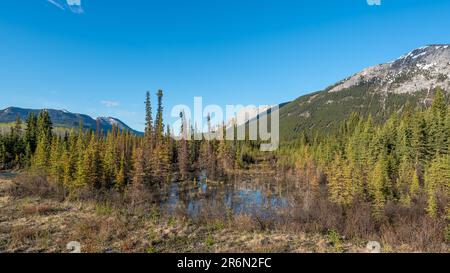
239,196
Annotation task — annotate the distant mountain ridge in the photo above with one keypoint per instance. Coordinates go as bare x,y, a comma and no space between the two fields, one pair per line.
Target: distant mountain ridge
66,119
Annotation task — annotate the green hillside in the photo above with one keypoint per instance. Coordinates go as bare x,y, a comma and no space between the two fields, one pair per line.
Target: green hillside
325,110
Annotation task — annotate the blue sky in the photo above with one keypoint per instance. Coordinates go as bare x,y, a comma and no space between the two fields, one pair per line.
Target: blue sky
100,56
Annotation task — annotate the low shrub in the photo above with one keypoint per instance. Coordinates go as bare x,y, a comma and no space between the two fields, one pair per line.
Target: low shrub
37,185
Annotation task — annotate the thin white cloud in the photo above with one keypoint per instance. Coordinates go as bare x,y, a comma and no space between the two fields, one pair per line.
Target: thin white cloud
109,103
73,5
56,4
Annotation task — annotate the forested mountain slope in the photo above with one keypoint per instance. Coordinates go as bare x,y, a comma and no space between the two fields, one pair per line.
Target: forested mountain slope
379,90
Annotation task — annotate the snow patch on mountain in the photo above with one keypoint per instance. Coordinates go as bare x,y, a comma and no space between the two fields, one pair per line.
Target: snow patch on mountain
421,69
114,122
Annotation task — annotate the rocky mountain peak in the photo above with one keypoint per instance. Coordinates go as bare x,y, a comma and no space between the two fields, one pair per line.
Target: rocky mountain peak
421,69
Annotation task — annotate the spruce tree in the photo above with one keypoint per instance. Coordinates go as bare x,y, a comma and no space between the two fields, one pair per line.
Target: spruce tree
110,158
224,154
56,167
437,181
137,186
44,125
89,167
183,152
340,182
44,135
148,115
121,174
420,141
159,124
42,154
438,131
380,187
71,158
415,186
31,132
